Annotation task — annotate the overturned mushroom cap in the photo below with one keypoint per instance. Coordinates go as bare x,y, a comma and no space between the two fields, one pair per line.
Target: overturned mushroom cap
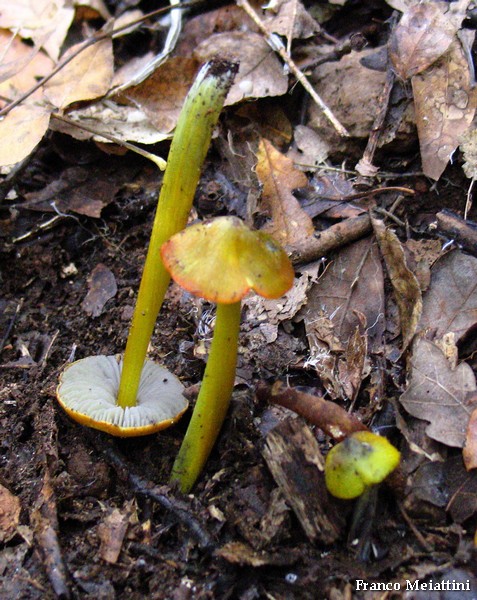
88,391
361,460
222,259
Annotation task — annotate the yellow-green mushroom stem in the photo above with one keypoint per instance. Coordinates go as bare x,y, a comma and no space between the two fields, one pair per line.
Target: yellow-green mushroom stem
220,260
189,146
361,460
213,400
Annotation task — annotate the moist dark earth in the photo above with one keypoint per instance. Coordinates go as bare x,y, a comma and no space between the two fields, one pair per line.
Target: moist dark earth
96,515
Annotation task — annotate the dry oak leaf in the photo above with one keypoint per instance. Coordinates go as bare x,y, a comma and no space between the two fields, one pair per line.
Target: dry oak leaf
21,131
450,303
424,33
444,102
406,287
86,77
439,394
289,223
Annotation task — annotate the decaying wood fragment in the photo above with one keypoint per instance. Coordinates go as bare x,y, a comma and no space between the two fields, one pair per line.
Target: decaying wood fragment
296,463
44,519
331,418
463,232
334,237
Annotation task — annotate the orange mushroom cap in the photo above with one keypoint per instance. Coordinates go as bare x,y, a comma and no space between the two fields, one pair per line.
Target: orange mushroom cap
88,391
221,260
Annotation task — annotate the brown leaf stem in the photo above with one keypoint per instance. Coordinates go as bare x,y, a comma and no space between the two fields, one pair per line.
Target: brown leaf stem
328,416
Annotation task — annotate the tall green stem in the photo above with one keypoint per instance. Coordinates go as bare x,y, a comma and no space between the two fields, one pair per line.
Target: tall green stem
189,147
214,398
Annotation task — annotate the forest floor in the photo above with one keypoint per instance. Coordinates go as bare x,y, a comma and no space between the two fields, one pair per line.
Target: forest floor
380,320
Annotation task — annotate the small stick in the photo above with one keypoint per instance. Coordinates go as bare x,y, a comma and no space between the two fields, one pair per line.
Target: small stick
159,494
463,232
44,518
157,160
331,418
334,237
275,43
365,166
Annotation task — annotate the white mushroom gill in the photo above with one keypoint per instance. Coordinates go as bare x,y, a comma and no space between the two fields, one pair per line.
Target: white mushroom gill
90,387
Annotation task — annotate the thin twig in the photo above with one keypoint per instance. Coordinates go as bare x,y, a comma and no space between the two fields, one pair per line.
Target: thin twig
365,166
157,160
275,43
314,248
159,494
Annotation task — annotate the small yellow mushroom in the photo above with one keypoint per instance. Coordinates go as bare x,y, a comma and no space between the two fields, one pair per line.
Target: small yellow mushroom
361,460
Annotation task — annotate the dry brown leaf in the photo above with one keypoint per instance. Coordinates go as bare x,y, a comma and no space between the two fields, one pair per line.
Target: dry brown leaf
352,284
470,449
21,130
311,149
87,76
260,73
46,22
450,303
289,223
462,490
20,64
405,285
162,94
126,123
445,106
351,366
290,19
439,394
424,33
111,534
352,92
82,190
102,287
9,514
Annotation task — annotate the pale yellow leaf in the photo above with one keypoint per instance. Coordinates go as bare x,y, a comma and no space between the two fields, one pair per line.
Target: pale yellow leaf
46,22
20,131
86,77
20,65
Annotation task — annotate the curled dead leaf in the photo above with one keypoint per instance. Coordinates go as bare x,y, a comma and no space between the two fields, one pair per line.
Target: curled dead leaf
289,223
406,287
